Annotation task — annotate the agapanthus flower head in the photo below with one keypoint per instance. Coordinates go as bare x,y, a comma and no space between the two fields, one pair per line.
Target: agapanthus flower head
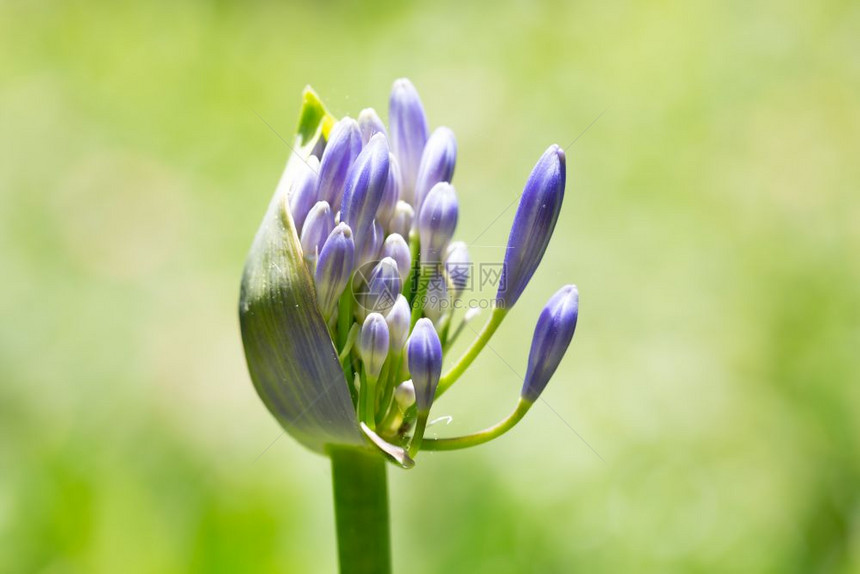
346,296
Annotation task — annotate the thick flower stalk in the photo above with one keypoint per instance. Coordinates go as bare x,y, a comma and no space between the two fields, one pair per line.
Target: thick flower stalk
347,296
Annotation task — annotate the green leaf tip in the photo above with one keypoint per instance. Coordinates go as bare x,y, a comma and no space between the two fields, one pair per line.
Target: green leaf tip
312,115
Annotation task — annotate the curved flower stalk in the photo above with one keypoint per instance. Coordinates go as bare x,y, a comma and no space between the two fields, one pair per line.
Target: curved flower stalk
346,300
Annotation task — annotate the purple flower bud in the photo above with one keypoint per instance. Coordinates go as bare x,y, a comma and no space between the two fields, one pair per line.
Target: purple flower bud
401,221
408,132
371,246
373,344
344,145
437,222
383,287
391,195
303,194
396,248
334,268
534,222
370,124
437,164
318,226
553,333
424,355
398,319
458,266
365,184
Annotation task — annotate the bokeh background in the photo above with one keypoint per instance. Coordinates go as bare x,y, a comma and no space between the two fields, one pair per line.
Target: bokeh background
712,224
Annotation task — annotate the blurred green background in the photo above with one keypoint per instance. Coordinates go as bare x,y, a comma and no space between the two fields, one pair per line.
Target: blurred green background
712,224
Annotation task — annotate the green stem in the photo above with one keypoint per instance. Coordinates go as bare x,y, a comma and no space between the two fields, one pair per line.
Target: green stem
415,251
418,434
481,437
472,352
361,511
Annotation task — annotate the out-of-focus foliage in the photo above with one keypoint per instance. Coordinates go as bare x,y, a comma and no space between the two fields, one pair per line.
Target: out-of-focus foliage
711,224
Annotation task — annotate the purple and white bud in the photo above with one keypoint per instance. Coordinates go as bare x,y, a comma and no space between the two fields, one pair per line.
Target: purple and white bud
365,184
371,247
397,248
424,356
533,225
436,299
437,164
370,124
553,333
398,319
458,267
373,344
391,195
318,226
401,221
343,147
437,222
409,132
303,194
334,268
383,287
404,395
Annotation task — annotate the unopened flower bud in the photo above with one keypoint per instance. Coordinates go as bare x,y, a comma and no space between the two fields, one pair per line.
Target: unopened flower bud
391,195
437,222
458,266
373,344
303,194
365,184
383,287
424,355
370,124
343,147
404,395
553,333
437,164
396,248
334,268
401,221
398,318
371,247
408,133
318,226
533,225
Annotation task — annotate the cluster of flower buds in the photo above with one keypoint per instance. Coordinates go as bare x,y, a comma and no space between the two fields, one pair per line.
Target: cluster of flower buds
345,304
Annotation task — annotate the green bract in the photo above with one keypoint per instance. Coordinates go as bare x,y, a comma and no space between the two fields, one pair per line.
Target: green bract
291,358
